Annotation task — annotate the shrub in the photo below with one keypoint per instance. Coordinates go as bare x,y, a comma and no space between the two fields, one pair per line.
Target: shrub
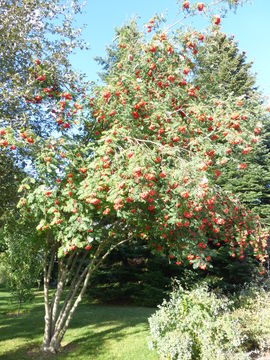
253,313
196,324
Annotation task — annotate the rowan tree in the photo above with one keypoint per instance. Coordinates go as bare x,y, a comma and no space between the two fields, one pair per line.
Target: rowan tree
153,145
223,71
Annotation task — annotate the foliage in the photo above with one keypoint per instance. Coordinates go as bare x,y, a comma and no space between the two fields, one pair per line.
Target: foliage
139,175
230,273
133,275
223,70
181,327
196,325
10,178
30,31
252,311
3,271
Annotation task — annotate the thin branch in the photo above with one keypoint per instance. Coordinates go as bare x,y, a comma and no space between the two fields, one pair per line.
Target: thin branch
110,250
47,276
72,268
70,293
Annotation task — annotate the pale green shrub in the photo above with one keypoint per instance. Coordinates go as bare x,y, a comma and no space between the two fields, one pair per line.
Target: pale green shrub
196,324
253,314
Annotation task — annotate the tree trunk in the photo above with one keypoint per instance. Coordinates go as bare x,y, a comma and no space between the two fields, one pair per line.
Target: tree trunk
57,316
19,307
56,319
47,271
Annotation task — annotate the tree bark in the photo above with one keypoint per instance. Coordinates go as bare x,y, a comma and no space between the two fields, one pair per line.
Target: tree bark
19,307
60,287
47,276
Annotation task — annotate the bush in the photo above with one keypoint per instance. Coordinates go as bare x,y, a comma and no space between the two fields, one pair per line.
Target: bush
253,313
196,324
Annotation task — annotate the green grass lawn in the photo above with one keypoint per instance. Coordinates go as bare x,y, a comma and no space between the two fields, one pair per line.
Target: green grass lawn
96,332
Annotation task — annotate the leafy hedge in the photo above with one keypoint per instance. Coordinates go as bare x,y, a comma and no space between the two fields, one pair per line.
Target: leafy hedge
200,324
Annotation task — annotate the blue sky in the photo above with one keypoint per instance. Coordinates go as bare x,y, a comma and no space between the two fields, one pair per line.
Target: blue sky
250,26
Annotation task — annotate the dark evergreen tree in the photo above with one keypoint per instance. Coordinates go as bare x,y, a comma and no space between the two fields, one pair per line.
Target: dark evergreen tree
221,68
134,275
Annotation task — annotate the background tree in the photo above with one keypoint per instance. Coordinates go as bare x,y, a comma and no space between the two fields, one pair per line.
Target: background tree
222,70
10,177
31,31
22,260
133,274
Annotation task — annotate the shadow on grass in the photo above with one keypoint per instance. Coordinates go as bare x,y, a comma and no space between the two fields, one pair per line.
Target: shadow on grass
89,346
27,325
94,325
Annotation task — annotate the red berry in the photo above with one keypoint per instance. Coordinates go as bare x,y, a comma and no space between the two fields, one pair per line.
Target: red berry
200,6
38,98
200,37
41,78
4,143
186,71
83,170
217,20
185,5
